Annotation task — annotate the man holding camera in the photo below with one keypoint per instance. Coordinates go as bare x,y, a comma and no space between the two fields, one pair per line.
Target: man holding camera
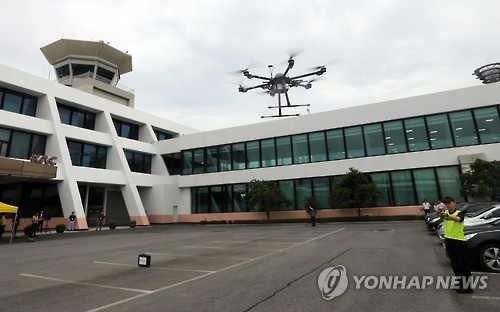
456,244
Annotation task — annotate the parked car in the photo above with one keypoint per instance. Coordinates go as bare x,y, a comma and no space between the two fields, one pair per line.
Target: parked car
485,215
473,210
483,242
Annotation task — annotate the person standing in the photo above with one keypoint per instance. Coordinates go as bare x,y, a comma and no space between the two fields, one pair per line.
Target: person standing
2,224
426,207
15,223
34,224
312,215
72,219
100,221
456,244
40,222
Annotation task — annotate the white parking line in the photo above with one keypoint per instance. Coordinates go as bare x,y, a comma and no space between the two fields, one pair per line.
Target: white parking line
485,297
160,268
206,247
86,284
239,242
195,256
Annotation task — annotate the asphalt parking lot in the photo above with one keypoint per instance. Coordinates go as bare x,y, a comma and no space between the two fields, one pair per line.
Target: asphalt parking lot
232,268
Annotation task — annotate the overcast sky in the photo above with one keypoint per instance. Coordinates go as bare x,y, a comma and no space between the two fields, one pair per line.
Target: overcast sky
184,51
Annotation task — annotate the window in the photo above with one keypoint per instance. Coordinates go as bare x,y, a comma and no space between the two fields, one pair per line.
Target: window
300,149
335,142
317,145
225,157
162,135
354,142
449,182
416,134
173,162
374,139
126,130
187,162
239,203
395,137
383,183
199,160
439,131
253,154
17,102
288,189
138,162
19,144
76,117
239,159
284,151
87,155
425,185
321,189
303,191
463,128
212,159
403,188
268,150
488,124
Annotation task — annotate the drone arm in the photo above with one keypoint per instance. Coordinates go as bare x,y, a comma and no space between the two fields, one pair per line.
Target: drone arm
318,72
250,76
243,89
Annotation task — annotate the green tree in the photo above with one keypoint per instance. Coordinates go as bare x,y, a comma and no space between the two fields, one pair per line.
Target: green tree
482,180
354,190
267,194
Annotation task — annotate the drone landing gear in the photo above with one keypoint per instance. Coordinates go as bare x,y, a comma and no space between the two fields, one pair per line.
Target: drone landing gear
279,107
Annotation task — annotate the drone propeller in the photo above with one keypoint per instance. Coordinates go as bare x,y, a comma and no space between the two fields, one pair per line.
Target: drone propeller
331,62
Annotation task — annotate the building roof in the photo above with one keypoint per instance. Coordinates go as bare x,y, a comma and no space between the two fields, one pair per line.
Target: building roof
63,48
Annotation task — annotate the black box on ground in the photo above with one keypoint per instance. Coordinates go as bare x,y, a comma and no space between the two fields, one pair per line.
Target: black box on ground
144,260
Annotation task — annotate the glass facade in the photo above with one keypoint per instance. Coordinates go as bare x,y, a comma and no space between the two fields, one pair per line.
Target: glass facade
398,188
162,135
453,129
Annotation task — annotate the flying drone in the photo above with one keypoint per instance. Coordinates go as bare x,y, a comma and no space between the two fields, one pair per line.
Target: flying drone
280,84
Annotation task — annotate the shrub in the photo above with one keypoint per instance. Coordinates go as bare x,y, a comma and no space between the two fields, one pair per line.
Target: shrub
60,228
112,225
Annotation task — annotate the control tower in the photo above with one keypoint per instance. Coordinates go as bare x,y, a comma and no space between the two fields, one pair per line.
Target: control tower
91,66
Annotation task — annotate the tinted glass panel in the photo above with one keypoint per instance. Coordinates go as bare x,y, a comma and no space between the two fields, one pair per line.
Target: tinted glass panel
212,156
300,149
253,155
239,159
383,183
374,139
416,134
187,162
463,128
317,145
354,142
425,184
203,201
102,152
65,115
488,124
216,199
29,106
12,102
89,155
335,141
38,144
403,188
284,148
439,131
321,187
78,119
268,153
449,182
199,160
75,151
20,145
288,189
303,192
239,204
225,157
394,137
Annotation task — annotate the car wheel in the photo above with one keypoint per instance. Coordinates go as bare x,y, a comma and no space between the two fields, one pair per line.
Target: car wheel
489,256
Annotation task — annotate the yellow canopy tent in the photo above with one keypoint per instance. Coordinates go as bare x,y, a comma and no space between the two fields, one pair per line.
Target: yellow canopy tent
4,208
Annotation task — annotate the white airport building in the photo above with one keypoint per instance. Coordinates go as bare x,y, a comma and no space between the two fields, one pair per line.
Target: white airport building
78,144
